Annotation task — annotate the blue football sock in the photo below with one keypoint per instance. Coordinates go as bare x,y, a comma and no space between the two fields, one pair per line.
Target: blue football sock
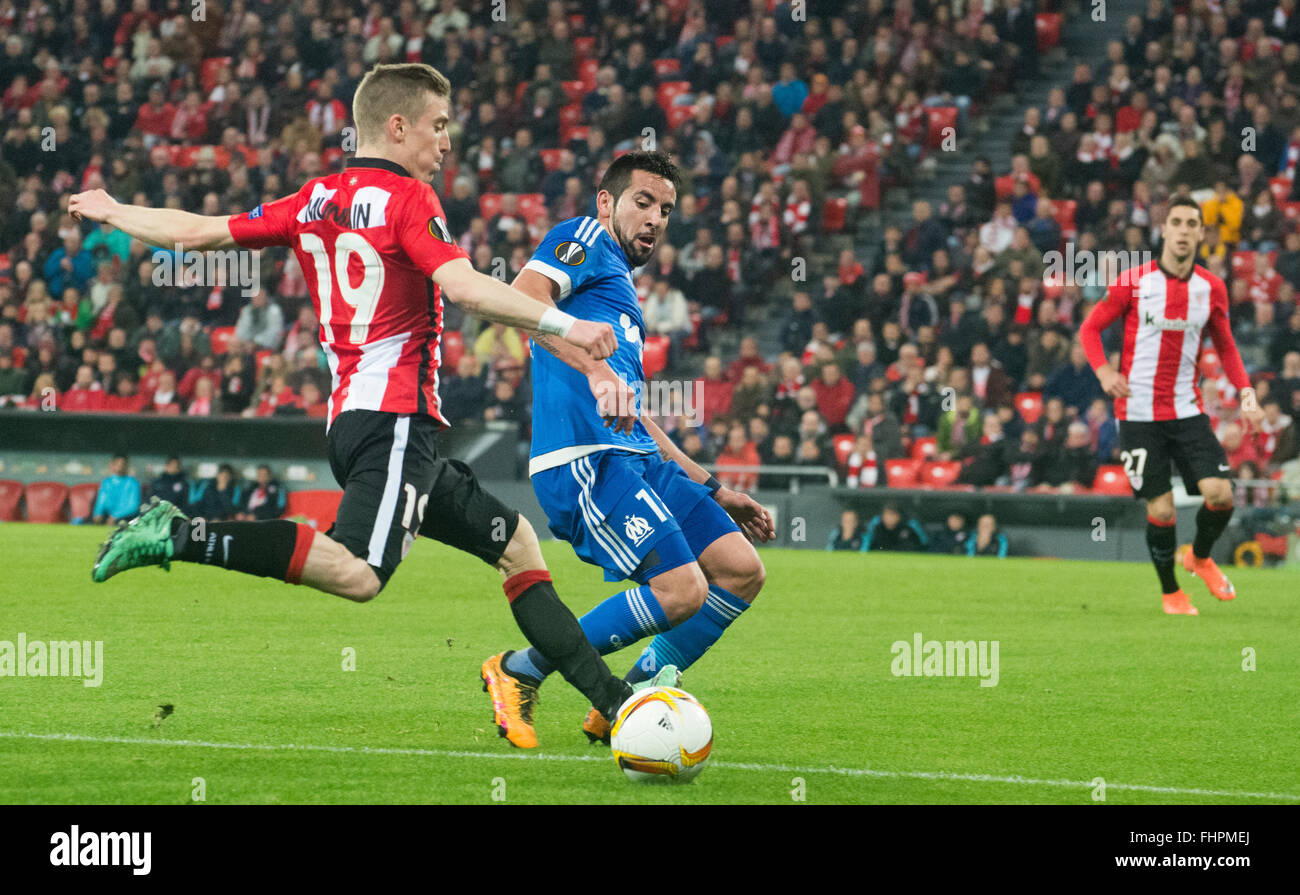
684,644
619,621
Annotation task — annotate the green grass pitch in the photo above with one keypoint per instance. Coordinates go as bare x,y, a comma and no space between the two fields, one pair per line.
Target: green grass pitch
1093,682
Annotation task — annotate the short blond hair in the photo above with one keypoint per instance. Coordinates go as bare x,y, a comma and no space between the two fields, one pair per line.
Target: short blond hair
400,89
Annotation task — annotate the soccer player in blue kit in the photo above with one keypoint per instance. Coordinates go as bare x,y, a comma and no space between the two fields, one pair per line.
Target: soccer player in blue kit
613,484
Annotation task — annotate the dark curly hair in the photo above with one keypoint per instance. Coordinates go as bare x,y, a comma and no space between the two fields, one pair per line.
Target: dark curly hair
619,173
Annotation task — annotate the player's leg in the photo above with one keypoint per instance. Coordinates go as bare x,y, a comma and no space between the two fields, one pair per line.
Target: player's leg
463,515
613,518
1145,451
1202,460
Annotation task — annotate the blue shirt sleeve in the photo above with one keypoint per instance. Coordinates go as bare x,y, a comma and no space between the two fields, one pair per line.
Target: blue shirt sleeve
570,255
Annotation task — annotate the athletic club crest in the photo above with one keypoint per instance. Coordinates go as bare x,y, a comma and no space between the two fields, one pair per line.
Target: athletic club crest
637,529
571,253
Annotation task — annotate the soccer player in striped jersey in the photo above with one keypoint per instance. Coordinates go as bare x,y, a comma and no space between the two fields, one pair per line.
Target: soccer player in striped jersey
1167,307
613,484
374,247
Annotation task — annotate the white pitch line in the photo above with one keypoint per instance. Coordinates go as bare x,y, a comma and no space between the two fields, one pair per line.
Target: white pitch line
942,776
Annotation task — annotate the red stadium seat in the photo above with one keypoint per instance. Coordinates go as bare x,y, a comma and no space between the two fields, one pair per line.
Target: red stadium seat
19,355
583,49
679,115
573,132
940,118
1291,211
551,158
1030,406
1065,209
1281,188
262,358
1242,263
570,116
723,40
489,205
574,90
220,337
1048,26
587,72
843,449
655,356
924,448
11,494
1112,480
940,474
81,500
835,215
330,156
453,348
319,507
45,501
1210,365
577,21
669,91
532,206
666,67
902,473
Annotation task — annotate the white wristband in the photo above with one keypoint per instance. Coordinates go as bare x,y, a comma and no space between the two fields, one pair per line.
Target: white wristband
556,322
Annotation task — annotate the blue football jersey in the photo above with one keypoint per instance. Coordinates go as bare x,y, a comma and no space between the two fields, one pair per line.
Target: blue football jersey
595,281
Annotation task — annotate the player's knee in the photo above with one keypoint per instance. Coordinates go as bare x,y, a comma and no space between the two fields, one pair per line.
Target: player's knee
753,576
524,551
1218,492
1165,515
681,592
357,581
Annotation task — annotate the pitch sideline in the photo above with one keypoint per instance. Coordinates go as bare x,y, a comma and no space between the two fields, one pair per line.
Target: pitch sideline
942,776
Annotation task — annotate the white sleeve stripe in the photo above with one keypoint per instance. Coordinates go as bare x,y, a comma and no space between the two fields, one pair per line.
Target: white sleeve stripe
552,273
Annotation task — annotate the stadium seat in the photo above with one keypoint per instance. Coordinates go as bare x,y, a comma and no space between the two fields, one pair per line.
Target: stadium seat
262,358
532,206
1242,263
587,72
1281,189
669,91
1065,209
81,500
318,507
1210,365
924,448
723,40
902,473
573,132
939,117
577,21
1048,26
489,205
574,90
209,71
551,158
570,115
583,49
1291,211
654,357
220,337
941,473
843,449
1112,480
453,348
666,67
19,355
835,214
330,156
45,501
1030,406
11,494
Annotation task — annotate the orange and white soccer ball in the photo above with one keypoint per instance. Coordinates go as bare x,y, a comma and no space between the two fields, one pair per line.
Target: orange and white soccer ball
662,734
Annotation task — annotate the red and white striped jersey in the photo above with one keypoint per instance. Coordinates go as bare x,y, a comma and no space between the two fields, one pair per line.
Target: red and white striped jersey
1165,319
367,239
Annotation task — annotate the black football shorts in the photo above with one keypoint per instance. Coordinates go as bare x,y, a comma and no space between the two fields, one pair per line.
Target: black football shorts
1150,450
395,486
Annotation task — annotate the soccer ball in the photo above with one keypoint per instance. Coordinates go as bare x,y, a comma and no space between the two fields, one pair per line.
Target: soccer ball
662,734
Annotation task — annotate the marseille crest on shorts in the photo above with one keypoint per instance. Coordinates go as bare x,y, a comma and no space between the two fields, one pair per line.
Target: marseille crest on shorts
637,529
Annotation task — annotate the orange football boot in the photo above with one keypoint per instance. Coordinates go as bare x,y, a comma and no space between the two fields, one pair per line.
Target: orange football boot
1177,603
596,727
1209,572
512,702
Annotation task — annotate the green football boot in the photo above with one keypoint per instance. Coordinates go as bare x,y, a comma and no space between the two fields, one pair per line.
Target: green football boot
143,540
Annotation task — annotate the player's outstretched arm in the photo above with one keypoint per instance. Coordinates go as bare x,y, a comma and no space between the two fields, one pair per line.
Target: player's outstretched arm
164,227
489,298
748,513
614,397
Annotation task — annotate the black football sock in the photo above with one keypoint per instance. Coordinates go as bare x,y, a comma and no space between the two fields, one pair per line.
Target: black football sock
1161,541
1210,523
276,548
554,631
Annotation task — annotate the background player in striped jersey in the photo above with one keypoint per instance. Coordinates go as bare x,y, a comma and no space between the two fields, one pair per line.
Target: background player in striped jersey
613,484
1167,307
374,247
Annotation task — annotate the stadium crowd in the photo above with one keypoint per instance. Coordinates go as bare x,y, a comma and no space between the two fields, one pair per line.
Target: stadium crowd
790,131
